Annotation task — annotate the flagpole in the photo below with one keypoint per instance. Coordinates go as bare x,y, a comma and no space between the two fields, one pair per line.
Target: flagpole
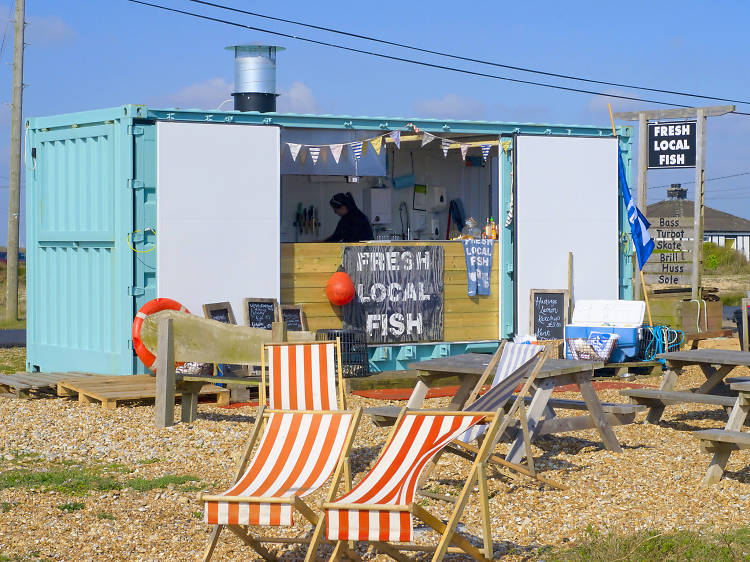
643,280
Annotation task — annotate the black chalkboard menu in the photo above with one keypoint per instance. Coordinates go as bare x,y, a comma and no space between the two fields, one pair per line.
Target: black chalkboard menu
548,313
294,317
219,311
261,313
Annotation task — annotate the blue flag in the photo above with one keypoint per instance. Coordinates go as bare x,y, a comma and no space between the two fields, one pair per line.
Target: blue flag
642,240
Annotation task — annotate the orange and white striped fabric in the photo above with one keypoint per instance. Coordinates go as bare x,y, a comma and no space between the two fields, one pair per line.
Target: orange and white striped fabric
393,480
302,377
296,456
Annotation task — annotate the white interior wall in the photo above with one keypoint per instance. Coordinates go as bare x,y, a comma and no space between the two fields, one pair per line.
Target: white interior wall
566,200
217,213
470,184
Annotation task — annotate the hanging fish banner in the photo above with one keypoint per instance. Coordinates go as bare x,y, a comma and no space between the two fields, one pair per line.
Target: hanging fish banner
399,292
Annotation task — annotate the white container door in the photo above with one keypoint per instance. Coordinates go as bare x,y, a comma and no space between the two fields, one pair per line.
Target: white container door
566,201
218,206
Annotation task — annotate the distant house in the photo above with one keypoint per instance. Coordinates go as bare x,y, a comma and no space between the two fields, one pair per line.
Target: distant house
719,227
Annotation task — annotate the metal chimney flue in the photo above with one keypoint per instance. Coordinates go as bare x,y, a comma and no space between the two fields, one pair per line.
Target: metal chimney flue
255,77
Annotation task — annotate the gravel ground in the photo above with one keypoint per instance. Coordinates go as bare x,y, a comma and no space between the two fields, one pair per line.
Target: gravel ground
654,484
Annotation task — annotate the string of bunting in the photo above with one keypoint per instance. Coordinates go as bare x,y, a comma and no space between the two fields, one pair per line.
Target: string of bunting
359,148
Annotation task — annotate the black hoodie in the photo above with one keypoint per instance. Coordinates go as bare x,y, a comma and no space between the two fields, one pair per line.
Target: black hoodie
354,226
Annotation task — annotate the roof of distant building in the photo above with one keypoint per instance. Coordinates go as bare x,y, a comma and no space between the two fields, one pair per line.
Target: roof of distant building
715,220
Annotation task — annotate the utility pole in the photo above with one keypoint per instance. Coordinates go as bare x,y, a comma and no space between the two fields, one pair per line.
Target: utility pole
14,196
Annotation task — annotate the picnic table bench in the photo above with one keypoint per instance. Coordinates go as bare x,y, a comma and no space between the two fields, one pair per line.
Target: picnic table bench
721,442
470,367
696,338
716,365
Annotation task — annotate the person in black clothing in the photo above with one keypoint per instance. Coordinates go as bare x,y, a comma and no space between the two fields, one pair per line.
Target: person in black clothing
353,226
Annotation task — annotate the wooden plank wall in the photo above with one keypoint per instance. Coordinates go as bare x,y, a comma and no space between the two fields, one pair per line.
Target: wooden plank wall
305,269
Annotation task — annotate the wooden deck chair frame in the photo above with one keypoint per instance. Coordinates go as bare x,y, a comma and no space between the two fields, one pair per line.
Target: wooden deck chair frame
468,451
498,423
341,392
341,474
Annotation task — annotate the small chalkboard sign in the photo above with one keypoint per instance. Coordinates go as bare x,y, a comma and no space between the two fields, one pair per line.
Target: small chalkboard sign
548,313
261,313
219,311
294,317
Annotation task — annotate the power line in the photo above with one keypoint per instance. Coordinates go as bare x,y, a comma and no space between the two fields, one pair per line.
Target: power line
459,57
707,179
402,59
5,33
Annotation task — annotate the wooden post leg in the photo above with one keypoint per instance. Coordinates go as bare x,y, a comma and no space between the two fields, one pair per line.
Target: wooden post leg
464,391
668,381
721,456
165,375
714,377
417,395
718,464
213,539
190,392
536,408
484,502
597,414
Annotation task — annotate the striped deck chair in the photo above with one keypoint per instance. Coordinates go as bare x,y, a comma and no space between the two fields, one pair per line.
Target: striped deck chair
517,363
306,437
379,510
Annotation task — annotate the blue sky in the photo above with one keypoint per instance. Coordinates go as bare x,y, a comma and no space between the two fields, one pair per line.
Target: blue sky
86,54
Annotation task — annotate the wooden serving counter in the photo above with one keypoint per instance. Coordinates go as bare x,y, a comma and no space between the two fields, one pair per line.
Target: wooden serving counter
306,267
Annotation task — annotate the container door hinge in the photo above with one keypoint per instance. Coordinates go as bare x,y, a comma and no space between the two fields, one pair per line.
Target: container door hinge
130,344
134,291
136,184
135,130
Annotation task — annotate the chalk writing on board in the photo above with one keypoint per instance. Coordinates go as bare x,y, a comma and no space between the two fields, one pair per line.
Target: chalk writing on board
261,314
220,315
549,311
293,318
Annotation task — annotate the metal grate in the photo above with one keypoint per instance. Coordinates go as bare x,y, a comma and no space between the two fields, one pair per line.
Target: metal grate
354,360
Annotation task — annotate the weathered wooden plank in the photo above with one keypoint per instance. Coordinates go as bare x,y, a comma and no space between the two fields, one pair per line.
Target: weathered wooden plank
740,439
710,356
652,395
667,268
656,114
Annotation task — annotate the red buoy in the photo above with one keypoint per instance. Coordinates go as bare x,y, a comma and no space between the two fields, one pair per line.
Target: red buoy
340,289
154,305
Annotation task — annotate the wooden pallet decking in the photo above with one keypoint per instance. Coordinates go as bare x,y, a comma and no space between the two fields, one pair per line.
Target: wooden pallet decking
111,390
24,385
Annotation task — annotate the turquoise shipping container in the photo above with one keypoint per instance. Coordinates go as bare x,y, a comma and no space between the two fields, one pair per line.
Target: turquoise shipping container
92,199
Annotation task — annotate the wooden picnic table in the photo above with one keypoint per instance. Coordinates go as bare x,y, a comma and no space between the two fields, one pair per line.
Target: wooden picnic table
470,367
716,365
721,442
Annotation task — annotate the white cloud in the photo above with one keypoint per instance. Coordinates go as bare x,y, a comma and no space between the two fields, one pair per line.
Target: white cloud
299,98
208,94
48,30
450,106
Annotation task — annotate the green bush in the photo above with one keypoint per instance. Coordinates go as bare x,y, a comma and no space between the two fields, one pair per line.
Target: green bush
724,261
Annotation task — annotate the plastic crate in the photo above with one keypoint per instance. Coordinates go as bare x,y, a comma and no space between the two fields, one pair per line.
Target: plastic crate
597,347
354,358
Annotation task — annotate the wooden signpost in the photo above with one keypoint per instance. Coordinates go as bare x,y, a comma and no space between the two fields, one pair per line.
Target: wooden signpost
672,260
669,145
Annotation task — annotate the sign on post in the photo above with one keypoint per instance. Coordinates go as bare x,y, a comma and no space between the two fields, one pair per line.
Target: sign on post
399,292
672,260
671,145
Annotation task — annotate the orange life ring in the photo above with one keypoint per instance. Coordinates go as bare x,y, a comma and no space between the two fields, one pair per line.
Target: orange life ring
150,307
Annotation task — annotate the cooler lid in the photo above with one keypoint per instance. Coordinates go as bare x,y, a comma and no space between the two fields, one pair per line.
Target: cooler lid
619,313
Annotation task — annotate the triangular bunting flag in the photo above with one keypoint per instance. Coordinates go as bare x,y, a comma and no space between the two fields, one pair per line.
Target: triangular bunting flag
357,149
377,143
445,145
302,156
464,150
364,147
414,127
485,151
294,149
396,136
427,138
314,153
323,156
336,151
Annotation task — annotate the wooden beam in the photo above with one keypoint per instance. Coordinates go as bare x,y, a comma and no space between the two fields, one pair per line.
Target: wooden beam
165,375
678,113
